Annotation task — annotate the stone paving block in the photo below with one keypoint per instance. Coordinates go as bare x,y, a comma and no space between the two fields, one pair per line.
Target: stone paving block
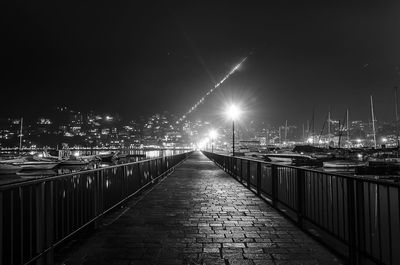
198,215
240,262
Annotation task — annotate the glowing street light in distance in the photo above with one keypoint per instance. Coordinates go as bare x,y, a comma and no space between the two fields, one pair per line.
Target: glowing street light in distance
213,134
233,112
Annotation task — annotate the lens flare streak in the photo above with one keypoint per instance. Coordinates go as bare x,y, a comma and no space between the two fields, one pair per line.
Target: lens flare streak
196,105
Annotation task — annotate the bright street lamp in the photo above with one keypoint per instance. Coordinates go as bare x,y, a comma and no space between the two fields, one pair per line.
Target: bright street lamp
212,134
233,112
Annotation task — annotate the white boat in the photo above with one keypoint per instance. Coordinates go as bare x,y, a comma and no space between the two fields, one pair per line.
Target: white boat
32,163
74,161
37,165
342,164
285,157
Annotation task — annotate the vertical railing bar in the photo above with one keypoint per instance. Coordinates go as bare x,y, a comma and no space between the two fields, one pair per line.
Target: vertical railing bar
49,214
390,226
318,201
274,184
31,200
315,210
63,206
326,210
360,214
1,226
370,217
379,222
300,194
351,215
325,201
67,213
21,199
241,170
12,226
337,208
39,198
56,217
258,178
248,174
331,201
344,209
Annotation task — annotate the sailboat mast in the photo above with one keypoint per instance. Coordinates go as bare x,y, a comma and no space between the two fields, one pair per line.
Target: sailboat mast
397,116
286,131
340,134
373,121
280,136
20,134
313,126
347,125
329,127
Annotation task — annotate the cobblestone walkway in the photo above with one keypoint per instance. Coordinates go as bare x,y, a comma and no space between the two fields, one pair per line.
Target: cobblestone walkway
200,215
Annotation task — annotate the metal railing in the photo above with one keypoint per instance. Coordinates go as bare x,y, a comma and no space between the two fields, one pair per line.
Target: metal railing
38,215
358,218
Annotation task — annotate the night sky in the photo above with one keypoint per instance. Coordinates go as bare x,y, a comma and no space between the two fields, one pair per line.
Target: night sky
136,58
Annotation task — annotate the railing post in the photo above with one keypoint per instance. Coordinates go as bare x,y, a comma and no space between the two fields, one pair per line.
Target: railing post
274,178
241,170
248,174
258,178
300,196
351,213
49,215
360,217
1,226
39,203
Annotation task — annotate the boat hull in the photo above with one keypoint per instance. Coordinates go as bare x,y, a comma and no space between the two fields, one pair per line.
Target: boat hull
38,165
341,164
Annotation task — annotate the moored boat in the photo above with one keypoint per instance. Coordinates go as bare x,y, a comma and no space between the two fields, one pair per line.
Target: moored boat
32,163
342,164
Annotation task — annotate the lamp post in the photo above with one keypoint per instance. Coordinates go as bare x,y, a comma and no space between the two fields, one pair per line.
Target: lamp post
213,134
233,113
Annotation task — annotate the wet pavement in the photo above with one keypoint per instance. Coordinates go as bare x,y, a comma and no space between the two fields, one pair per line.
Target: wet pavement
197,215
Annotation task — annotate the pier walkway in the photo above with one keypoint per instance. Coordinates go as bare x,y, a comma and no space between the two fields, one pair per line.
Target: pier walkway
197,215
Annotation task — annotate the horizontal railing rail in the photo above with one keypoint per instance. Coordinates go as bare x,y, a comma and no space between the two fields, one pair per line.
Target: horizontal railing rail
358,218
38,215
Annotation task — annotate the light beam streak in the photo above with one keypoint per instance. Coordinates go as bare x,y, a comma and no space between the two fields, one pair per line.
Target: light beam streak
196,105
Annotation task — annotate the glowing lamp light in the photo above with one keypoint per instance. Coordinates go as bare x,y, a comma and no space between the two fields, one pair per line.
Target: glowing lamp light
203,143
384,140
213,134
233,112
358,140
